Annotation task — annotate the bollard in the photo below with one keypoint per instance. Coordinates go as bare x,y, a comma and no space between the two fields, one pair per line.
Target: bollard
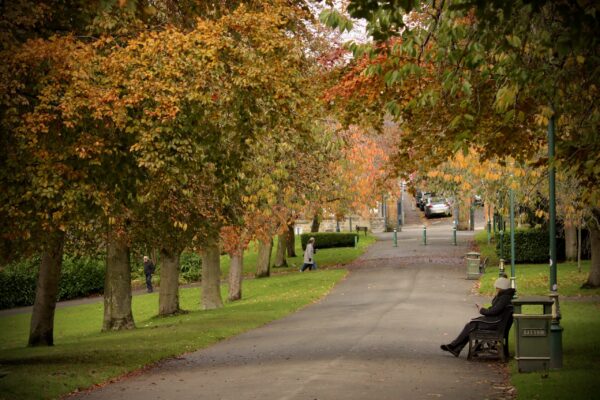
356,240
424,235
395,238
454,234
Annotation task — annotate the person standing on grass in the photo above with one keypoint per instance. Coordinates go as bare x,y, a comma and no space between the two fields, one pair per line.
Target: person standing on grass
309,255
148,271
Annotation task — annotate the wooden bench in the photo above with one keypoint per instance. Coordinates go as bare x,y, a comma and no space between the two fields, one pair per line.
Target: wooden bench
362,228
491,343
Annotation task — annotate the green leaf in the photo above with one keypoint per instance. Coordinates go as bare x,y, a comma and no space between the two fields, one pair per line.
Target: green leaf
393,108
334,19
514,41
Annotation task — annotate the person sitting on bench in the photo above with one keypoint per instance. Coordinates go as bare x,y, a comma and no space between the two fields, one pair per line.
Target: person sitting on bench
490,317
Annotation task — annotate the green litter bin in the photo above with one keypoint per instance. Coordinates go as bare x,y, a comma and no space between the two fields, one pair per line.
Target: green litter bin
473,265
533,333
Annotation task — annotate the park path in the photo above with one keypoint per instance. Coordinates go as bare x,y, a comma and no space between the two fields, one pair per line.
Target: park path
375,336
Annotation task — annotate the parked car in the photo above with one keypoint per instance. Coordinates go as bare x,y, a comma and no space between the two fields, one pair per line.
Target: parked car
425,196
418,196
437,206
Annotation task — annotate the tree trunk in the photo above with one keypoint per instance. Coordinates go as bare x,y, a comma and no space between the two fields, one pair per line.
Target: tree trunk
280,260
291,241
316,222
579,245
463,213
168,292
594,277
117,284
41,332
236,275
263,263
211,277
570,240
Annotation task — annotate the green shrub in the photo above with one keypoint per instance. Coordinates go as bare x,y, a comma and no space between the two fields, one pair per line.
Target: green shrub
531,246
325,240
80,276
17,288
190,265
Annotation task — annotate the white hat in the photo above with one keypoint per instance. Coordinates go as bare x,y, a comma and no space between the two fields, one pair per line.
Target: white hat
502,283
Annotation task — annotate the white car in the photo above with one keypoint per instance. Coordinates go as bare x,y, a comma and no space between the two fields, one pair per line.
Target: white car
437,206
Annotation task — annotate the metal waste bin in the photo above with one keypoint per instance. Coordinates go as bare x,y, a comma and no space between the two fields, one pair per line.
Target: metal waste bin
473,265
533,333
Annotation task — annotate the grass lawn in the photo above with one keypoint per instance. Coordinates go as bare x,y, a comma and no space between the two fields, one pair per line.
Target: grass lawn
82,356
324,257
578,378
580,308
534,279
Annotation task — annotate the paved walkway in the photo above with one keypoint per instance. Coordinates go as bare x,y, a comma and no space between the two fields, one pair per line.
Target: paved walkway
375,336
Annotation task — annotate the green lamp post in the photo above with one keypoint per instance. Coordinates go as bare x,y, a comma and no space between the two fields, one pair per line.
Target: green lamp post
555,328
513,281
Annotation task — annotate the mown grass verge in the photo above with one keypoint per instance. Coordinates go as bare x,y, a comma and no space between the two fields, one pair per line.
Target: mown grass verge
325,258
580,309
82,356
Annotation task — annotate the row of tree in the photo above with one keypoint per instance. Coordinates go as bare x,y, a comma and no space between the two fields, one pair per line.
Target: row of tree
176,124
484,77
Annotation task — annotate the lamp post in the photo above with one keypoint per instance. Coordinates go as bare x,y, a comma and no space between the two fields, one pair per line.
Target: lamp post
555,328
513,282
489,222
400,208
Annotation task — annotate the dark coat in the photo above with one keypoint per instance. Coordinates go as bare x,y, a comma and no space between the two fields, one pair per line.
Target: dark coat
148,267
490,317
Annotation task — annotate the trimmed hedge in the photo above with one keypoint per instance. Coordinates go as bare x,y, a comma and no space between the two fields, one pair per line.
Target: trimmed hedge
324,240
531,246
79,277
190,265
17,288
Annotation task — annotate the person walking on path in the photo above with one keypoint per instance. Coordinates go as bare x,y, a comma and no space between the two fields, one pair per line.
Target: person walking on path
148,271
309,255
489,319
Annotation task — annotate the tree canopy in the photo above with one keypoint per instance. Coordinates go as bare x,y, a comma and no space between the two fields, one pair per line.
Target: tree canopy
483,74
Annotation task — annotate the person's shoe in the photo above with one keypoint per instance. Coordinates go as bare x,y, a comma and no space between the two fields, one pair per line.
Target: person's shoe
450,349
